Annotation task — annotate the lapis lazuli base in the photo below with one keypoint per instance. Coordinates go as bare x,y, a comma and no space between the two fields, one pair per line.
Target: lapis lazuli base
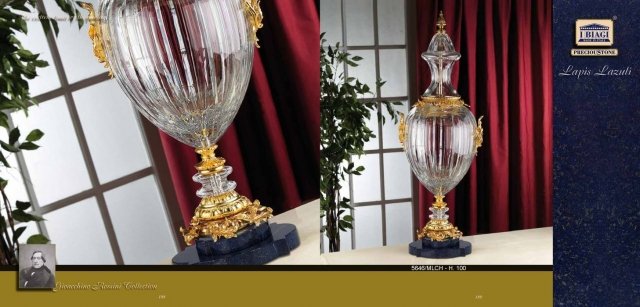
426,248
253,246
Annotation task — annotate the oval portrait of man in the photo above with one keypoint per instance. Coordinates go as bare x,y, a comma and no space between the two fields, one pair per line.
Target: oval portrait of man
37,266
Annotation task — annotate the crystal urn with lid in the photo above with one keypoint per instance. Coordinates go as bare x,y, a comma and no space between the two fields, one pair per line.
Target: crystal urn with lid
440,135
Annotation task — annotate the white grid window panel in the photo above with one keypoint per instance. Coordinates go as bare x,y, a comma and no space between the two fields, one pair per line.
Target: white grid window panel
92,179
382,196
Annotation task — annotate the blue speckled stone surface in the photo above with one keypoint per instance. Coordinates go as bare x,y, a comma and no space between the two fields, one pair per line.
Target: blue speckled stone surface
207,247
426,248
283,239
597,162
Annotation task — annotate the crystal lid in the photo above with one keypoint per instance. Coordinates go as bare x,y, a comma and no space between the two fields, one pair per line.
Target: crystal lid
441,55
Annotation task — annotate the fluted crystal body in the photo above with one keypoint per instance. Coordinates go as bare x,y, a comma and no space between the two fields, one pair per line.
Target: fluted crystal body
440,129
185,64
440,145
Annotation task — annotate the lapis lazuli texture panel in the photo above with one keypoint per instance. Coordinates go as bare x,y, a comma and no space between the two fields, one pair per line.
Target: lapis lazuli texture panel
596,159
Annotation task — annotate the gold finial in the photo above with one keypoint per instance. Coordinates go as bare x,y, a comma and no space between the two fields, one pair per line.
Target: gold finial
96,36
441,23
254,16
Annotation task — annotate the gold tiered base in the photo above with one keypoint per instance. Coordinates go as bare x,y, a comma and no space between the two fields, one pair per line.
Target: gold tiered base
439,230
224,215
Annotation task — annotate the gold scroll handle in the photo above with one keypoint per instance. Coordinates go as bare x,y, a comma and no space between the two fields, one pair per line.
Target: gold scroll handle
402,130
95,33
253,13
477,135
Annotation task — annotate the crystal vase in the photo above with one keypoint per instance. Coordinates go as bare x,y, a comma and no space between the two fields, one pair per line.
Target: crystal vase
185,65
440,136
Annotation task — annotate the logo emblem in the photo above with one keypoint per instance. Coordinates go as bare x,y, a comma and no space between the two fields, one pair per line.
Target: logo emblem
594,33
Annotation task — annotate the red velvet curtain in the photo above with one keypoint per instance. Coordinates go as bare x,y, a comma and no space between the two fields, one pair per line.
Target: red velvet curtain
505,74
273,144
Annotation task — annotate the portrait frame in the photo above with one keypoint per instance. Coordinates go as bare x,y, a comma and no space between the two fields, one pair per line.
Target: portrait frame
36,266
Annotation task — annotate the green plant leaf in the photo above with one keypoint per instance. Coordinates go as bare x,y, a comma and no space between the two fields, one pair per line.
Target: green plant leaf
344,224
18,233
40,63
22,216
4,160
23,205
34,135
44,21
22,24
80,20
8,147
28,146
54,25
4,120
348,218
14,135
26,55
37,239
20,7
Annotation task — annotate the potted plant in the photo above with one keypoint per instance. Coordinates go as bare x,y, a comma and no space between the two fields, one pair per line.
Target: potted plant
17,65
343,133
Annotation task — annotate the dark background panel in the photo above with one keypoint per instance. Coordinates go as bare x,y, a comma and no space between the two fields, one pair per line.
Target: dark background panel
596,161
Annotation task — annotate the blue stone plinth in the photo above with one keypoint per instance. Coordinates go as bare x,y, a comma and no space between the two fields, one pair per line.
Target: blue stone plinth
253,246
426,248
252,235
